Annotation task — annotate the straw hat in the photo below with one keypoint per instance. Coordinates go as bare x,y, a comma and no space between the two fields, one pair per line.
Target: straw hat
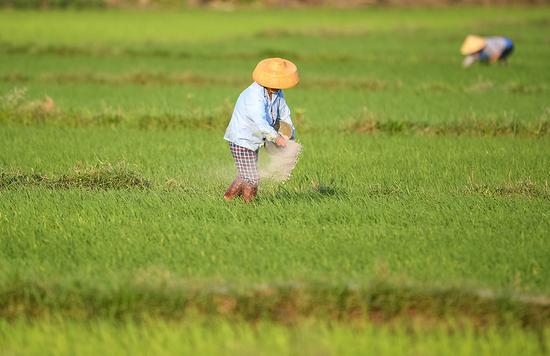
276,73
472,44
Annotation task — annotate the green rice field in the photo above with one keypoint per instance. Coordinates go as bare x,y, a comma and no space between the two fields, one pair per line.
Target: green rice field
416,222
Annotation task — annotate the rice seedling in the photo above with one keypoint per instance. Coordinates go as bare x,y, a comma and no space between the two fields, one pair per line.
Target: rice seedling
416,219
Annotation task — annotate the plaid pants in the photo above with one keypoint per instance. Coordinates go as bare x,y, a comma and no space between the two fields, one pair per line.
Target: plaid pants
246,161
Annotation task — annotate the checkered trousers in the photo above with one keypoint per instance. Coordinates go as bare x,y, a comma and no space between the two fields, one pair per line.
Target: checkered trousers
246,161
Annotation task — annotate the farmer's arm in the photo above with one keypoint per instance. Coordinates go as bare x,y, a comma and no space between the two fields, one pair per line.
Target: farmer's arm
256,113
284,114
493,58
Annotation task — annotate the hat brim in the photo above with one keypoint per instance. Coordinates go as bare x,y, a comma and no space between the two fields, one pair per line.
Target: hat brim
276,83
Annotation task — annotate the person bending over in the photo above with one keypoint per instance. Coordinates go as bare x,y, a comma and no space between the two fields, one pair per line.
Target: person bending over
486,49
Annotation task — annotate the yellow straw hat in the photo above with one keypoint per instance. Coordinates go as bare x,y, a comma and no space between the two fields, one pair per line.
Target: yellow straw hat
472,44
276,73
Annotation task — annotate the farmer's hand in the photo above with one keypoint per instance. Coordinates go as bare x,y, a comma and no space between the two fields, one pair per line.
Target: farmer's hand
280,142
468,61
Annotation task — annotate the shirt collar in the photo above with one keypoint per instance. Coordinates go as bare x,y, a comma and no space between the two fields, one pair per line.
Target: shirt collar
273,97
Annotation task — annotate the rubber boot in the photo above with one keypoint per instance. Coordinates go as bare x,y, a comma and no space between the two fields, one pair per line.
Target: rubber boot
249,192
234,190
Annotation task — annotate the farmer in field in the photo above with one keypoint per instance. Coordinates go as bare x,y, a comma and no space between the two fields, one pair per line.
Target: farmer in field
260,109
486,49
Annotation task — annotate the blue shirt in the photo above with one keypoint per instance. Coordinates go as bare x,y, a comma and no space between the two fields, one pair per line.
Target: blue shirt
255,116
495,48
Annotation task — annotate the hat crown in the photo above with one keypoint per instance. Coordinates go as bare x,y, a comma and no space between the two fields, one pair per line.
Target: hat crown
472,44
277,64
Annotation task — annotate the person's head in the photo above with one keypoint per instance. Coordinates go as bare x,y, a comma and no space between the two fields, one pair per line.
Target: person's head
275,74
472,44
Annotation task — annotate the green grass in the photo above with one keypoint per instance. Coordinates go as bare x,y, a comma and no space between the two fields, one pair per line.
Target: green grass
416,173
194,26
60,337
365,200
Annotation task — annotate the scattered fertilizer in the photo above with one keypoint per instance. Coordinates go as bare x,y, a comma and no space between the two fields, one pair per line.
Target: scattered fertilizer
282,160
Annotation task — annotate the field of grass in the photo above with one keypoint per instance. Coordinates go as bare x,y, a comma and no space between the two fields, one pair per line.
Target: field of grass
218,337
422,192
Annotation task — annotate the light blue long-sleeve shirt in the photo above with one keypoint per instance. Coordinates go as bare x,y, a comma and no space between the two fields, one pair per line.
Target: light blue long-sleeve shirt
255,116
495,47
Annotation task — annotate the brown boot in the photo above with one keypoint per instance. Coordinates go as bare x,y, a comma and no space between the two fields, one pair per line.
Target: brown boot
234,190
249,192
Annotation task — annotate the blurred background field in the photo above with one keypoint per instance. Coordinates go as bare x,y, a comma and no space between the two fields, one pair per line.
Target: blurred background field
396,64
422,188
